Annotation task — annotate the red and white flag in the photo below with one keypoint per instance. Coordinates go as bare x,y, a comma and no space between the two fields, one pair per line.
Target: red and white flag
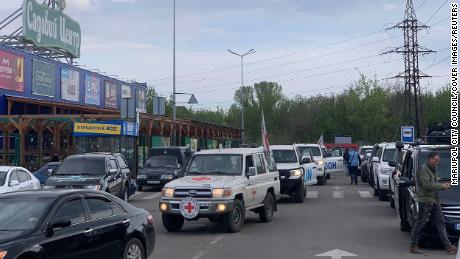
265,143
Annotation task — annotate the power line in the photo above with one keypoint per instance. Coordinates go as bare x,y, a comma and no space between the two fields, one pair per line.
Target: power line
437,11
277,57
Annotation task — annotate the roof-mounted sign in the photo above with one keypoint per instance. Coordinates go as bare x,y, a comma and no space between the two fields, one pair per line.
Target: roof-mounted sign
48,27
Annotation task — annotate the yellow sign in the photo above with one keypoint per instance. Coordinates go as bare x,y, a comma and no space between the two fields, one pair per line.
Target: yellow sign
97,128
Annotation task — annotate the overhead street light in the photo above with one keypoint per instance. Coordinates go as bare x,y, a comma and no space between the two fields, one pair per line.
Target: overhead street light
249,52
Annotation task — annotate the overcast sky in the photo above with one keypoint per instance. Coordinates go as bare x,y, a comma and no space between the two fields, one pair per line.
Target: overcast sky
294,42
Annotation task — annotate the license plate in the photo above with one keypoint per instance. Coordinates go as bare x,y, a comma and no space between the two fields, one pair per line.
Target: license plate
283,177
457,226
153,182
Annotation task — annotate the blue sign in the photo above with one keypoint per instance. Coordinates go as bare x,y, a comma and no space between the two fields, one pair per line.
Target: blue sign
331,165
130,129
407,134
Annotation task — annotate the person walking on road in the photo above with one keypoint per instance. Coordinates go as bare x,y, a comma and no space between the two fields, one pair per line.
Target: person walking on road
346,157
428,204
354,160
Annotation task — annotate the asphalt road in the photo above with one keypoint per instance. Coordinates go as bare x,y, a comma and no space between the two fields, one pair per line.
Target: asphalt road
334,216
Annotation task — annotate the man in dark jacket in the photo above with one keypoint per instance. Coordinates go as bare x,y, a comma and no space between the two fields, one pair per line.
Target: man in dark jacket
428,204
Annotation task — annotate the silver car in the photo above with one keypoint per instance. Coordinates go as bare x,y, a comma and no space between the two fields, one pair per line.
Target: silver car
13,179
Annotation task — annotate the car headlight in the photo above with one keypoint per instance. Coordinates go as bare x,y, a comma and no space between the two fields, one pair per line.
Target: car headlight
221,192
166,177
48,187
92,187
296,172
167,192
142,176
320,162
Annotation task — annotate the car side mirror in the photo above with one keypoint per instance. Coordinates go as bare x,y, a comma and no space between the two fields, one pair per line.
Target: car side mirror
368,155
305,160
392,163
50,171
14,183
375,159
61,223
251,171
113,171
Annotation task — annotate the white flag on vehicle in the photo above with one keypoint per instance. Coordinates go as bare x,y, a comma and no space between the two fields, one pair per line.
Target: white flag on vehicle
265,143
320,141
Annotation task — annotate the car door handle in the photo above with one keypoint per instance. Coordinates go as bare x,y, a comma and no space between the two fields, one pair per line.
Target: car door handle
88,232
126,222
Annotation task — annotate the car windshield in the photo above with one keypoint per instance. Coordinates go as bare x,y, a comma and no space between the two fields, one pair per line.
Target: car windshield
3,175
364,151
443,169
216,164
21,214
388,155
284,156
82,166
314,151
161,161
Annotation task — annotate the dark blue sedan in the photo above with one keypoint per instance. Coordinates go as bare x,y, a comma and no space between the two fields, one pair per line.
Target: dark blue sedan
46,171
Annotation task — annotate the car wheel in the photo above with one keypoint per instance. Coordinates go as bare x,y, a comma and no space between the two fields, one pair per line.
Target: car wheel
234,220
266,212
376,191
139,188
134,249
322,180
328,176
382,194
392,202
300,193
172,223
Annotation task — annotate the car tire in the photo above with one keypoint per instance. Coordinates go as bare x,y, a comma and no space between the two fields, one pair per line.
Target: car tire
234,220
321,180
392,203
299,195
134,250
266,212
382,194
328,176
376,191
172,223
139,188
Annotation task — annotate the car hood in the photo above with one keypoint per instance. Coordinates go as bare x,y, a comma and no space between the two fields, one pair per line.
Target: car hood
73,180
10,235
287,166
158,170
450,196
318,158
204,181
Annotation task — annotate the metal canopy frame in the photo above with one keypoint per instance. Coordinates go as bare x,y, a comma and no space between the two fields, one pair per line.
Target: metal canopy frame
15,40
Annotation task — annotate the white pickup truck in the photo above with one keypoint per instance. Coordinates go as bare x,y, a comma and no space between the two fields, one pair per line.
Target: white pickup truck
222,185
382,169
296,170
319,155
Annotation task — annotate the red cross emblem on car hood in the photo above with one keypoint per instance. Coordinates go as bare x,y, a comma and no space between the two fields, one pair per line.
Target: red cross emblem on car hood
201,179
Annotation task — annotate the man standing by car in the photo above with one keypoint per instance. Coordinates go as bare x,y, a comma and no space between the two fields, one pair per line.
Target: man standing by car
428,204
353,164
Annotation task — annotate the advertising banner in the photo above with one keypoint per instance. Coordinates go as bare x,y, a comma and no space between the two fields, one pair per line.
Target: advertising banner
92,90
11,72
81,129
48,27
126,92
42,78
140,107
70,84
110,94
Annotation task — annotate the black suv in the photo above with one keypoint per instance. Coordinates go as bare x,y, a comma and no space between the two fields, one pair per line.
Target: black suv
96,171
405,190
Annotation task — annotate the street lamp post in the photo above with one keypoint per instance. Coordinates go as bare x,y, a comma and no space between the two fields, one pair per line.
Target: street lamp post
174,73
251,51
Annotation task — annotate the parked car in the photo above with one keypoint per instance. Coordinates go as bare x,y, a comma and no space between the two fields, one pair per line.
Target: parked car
96,171
319,155
46,171
370,163
73,224
296,170
405,196
158,171
397,163
183,154
334,161
364,153
222,185
382,170
13,179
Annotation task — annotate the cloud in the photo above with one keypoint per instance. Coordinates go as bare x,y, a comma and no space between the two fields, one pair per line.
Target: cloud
390,7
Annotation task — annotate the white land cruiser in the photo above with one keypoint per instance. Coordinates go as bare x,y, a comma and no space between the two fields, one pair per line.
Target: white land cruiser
296,171
319,156
382,170
222,185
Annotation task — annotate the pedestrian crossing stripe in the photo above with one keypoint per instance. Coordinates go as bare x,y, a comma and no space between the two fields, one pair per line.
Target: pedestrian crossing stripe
338,195
365,194
312,194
